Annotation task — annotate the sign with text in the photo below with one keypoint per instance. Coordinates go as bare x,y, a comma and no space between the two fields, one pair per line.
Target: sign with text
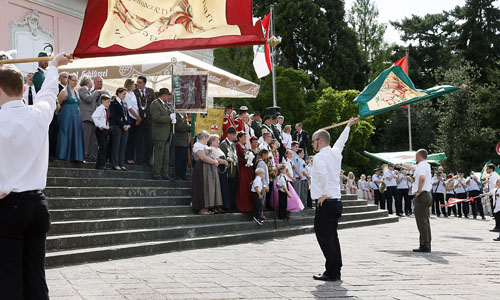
211,122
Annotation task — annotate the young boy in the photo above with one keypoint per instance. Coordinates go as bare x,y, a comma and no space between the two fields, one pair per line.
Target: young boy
308,170
258,191
281,184
301,164
101,121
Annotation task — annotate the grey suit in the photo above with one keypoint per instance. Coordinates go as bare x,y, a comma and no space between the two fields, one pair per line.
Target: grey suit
87,108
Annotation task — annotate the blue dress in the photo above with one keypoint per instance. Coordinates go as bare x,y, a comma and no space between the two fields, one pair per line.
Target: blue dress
70,143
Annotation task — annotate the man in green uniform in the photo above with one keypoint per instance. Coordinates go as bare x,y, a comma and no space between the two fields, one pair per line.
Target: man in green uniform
39,76
163,117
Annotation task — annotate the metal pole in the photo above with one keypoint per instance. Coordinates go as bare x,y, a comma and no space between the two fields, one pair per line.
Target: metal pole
174,62
272,49
409,109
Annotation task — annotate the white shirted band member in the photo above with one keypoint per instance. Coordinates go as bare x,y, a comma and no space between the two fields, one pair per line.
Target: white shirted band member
23,169
327,164
423,169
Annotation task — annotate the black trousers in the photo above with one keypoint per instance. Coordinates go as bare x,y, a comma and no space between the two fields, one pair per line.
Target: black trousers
453,208
463,206
378,195
258,206
24,223
282,204
53,136
119,146
326,223
181,161
130,150
309,199
102,143
233,191
437,201
477,206
268,195
497,219
143,142
390,194
404,198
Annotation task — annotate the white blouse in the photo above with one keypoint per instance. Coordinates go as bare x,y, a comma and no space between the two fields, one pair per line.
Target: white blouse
199,146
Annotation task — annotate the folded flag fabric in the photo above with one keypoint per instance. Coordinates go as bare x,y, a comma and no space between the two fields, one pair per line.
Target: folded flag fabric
392,89
262,53
120,27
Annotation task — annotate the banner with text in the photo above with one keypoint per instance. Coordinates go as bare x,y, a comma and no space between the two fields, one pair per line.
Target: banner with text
211,122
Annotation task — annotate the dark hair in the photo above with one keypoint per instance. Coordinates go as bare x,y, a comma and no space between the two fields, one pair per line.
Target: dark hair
143,78
491,167
295,143
240,134
11,81
262,152
423,153
120,90
300,150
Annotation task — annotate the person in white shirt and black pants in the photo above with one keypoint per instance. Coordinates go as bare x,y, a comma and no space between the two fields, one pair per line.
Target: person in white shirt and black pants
461,193
391,191
403,193
101,121
438,191
423,199
377,179
474,190
325,188
24,215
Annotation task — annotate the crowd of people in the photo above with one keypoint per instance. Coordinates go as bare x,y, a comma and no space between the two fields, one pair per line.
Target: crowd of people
392,187
123,127
249,169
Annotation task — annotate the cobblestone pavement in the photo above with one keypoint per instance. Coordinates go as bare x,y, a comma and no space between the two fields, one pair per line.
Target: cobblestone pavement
378,264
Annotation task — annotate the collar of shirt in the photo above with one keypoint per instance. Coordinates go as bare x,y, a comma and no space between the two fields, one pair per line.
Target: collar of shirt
118,100
13,104
42,70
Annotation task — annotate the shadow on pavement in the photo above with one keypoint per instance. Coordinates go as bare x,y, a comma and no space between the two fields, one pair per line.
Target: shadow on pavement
435,256
463,238
328,290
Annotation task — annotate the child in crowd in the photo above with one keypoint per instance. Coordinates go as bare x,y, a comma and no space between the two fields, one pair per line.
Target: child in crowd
351,183
281,184
301,166
371,186
363,186
308,170
258,193
101,121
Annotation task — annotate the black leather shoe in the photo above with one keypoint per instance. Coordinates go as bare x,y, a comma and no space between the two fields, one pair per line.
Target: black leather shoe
324,277
495,230
421,250
167,178
497,239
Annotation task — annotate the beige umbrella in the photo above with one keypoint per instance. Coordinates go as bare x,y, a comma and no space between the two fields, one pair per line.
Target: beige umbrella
157,67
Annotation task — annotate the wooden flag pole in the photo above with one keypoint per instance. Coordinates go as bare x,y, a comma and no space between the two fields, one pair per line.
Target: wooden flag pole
336,125
30,60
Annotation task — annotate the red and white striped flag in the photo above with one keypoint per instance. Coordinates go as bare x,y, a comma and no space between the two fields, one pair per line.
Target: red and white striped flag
262,53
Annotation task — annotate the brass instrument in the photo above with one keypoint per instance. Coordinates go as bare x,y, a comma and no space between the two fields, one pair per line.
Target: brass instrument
382,187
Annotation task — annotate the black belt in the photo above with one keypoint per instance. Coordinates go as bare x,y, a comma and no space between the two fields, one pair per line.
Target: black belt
332,200
25,194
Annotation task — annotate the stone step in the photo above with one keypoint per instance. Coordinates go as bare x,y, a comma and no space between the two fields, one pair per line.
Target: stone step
98,202
124,191
113,182
157,220
89,240
92,173
267,231
90,165
117,212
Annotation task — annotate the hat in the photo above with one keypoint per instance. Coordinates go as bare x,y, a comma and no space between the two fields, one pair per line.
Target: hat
243,108
390,165
258,114
274,117
460,172
43,54
378,170
267,117
163,91
231,130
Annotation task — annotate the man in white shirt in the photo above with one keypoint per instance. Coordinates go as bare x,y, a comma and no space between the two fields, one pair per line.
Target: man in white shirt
490,169
461,193
391,191
267,138
438,191
377,179
29,91
24,216
474,190
325,188
423,199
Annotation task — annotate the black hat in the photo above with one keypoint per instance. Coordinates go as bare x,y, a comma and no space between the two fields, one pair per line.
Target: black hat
460,172
256,114
267,117
274,117
231,130
163,91
43,54
390,165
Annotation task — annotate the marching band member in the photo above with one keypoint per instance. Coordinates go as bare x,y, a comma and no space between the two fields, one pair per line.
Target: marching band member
392,188
403,189
474,189
240,120
450,193
461,193
377,180
490,169
438,191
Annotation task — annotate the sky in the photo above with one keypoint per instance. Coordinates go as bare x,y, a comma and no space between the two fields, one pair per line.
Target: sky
392,10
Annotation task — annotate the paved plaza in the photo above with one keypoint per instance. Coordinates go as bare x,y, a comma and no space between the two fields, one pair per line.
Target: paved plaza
378,264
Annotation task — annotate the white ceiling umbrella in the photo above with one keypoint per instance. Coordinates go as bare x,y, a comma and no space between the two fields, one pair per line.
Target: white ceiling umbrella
157,67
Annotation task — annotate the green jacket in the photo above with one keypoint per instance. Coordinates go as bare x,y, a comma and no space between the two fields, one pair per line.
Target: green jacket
233,169
257,129
182,131
162,124
38,79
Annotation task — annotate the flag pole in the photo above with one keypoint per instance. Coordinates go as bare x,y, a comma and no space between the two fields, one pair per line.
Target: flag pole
409,109
271,29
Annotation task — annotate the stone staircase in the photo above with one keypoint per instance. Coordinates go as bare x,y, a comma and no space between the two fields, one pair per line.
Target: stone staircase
101,215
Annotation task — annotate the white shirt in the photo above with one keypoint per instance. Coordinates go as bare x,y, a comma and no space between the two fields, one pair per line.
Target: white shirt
403,184
99,117
281,181
199,146
286,139
496,200
473,186
288,164
131,101
461,188
264,145
24,139
376,177
438,188
262,164
391,182
325,179
26,93
492,181
257,182
423,169
278,126
372,185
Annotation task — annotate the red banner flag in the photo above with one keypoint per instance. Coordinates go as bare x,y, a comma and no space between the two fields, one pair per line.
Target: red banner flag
120,27
403,63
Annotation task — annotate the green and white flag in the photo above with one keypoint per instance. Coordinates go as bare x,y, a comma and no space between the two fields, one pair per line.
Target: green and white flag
393,89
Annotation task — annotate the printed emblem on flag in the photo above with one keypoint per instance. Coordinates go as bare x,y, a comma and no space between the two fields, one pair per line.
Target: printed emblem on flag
393,91
135,23
214,128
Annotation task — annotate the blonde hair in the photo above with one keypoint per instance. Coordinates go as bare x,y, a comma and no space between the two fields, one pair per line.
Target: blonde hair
349,175
259,171
363,176
287,129
212,138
